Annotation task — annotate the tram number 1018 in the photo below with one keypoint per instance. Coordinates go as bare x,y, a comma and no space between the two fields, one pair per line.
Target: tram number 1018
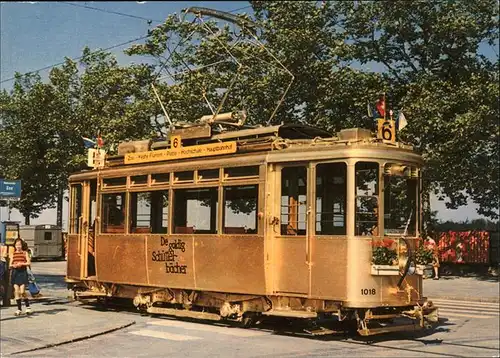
368,291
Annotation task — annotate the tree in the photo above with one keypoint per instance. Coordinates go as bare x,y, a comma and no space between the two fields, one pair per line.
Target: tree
24,146
446,87
43,123
434,73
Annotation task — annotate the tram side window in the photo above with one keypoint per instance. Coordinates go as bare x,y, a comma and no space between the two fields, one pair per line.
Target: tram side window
113,212
76,208
400,204
195,211
367,175
240,209
293,201
149,212
331,199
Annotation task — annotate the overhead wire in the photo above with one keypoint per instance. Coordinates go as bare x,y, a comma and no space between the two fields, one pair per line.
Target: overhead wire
76,58
109,11
105,49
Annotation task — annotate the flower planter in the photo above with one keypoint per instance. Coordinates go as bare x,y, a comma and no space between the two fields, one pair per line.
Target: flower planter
385,270
428,271
419,269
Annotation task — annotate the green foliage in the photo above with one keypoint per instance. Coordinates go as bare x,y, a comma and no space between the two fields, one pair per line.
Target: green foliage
423,256
433,72
43,123
429,50
477,224
384,252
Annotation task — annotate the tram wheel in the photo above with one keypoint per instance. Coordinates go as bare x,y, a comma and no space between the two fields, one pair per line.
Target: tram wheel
248,320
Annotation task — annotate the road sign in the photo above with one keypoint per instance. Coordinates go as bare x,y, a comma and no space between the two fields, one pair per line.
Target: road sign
10,189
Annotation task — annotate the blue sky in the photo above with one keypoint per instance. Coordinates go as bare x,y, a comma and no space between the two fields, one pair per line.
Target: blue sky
35,35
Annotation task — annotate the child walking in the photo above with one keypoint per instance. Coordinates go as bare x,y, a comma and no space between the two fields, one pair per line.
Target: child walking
19,262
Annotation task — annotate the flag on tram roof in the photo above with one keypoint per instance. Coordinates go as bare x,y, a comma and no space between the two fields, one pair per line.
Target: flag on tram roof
381,106
88,143
100,141
371,114
401,123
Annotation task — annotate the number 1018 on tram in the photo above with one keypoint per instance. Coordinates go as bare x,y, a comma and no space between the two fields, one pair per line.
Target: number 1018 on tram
285,220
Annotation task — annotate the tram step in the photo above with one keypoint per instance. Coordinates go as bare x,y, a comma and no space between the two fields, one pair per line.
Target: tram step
184,313
290,313
90,294
389,329
320,331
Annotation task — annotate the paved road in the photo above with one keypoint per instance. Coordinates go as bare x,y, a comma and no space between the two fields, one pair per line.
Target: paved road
460,333
466,329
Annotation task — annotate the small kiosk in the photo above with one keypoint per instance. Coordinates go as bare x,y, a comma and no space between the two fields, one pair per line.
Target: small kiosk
45,241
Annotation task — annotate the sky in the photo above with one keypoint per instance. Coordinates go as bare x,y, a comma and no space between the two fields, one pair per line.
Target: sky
35,35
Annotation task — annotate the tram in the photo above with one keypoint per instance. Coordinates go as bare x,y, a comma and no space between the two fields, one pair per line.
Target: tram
246,223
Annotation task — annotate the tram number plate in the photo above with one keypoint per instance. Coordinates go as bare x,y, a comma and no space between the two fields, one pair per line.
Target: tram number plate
368,291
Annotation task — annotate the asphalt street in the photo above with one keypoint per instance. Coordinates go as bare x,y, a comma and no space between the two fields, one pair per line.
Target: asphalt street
466,329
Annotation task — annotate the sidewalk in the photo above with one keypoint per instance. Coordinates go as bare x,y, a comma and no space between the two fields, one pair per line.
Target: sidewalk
463,288
54,322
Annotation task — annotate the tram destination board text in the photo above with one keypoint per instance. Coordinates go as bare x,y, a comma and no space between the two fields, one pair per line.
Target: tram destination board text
204,150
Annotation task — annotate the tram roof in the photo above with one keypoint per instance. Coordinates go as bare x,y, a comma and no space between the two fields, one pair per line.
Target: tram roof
213,143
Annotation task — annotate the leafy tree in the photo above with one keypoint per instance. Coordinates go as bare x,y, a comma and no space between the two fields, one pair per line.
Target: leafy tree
43,124
24,146
447,90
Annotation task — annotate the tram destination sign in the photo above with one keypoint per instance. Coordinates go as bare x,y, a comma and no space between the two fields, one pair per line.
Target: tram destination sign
204,150
10,189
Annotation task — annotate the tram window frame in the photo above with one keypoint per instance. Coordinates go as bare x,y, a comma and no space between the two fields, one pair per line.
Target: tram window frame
120,228
339,196
76,207
409,174
374,230
238,229
144,180
181,177
287,229
238,173
155,220
93,206
211,175
156,176
181,214
106,183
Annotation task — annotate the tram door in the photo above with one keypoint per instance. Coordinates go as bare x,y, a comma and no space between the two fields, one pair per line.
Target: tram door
291,247
81,243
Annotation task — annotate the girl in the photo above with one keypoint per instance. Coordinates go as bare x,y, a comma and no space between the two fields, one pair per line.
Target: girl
431,245
19,262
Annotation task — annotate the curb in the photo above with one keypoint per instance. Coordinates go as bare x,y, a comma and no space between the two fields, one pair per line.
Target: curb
470,299
51,345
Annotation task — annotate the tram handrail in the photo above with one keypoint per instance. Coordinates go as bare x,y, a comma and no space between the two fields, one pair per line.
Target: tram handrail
408,262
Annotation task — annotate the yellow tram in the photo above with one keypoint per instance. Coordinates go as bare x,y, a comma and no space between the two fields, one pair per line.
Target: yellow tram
285,220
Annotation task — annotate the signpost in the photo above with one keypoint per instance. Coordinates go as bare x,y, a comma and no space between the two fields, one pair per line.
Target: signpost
9,190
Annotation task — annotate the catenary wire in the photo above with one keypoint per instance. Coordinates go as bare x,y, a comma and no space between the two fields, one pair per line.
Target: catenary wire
105,49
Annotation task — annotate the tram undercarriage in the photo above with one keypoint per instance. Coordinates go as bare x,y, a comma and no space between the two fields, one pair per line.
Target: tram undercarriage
250,310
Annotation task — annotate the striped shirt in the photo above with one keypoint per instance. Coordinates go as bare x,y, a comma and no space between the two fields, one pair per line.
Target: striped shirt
19,257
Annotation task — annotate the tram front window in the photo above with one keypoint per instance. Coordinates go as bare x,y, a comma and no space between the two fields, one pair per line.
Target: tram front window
400,201
367,199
